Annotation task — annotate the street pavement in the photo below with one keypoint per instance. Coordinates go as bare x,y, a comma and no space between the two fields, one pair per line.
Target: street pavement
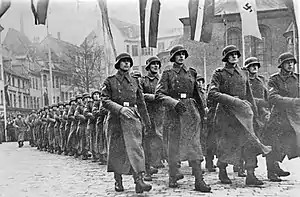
28,172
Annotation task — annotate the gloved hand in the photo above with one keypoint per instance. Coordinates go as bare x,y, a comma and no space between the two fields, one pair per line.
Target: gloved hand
127,112
241,103
180,108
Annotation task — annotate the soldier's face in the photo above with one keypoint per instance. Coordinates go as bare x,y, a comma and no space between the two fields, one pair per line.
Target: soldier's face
289,65
154,67
253,69
179,57
233,58
96,96
125,64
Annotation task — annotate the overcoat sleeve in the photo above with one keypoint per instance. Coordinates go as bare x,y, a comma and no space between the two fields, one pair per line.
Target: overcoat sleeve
275,98
162,91
78,115
142,105
107,103
215,93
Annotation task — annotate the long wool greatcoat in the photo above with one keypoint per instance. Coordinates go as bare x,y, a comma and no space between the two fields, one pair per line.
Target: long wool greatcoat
179,83
20,128
231,135
125,148
282,131
155,109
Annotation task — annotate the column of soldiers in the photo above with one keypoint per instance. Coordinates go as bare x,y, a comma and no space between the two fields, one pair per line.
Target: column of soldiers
135,123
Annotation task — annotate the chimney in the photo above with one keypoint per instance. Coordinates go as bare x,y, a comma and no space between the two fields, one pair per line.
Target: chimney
58,35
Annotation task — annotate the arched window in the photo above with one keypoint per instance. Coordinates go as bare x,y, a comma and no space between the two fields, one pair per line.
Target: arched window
234,36
262,49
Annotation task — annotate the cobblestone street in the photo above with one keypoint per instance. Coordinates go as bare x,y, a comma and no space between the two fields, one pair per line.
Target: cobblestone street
27,172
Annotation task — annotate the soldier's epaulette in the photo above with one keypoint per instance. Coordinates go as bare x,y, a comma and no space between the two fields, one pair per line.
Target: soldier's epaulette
274,75
261,77
193,71
220,69
111,76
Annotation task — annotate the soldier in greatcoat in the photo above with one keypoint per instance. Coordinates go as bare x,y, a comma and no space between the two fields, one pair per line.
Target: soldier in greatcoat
30,122
50,128
69,149
73,138
153,143
236,140
91,125
122,96
38,125
63,132
100,141
184,112
21,127
282,130
81,129
44,128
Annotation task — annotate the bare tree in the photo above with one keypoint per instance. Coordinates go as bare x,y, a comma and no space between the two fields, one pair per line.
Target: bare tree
87,64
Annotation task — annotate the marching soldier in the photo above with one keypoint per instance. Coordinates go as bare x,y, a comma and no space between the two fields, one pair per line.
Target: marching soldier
44,128
38,125
154,142
282,130
184,112
122,96
20,126
236,139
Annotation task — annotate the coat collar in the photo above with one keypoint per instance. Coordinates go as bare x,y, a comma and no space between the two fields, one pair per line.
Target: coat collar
285,76
230,69
152,76
177,68
121,75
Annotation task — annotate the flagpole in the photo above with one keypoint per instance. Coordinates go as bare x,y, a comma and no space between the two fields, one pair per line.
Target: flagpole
204,69
244,48
4,100
104,44
50,67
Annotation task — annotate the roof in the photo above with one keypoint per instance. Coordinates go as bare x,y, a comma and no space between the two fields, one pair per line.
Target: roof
17,42
128,30
230,6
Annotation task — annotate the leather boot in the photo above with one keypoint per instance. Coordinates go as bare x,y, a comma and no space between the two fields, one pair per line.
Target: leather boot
174,176
241,170
209,165
148,174
272,176
251,179
223,176
140,185
280,172
200,185
118,182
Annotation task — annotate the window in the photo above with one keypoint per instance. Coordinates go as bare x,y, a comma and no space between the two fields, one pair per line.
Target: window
53,101
53,81
20,100
19,84
36,84
67,96
128,48
24,84
57,99
13,81
56,82
1,97
31,102
62,96
24,101
160,46
45,80
262,48
70,94
234,36
135,51
37,102
34,102
15,101
10,99
32,83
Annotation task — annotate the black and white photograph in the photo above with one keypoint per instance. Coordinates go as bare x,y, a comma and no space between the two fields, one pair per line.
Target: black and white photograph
149,98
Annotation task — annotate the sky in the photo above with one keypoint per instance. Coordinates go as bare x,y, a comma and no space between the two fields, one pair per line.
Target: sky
75,19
